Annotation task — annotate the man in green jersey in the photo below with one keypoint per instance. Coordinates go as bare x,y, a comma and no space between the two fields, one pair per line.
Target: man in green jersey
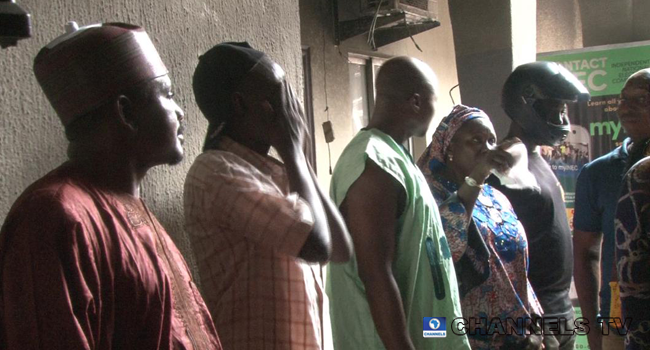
401,271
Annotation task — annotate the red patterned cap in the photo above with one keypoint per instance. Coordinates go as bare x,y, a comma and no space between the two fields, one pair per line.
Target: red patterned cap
83,68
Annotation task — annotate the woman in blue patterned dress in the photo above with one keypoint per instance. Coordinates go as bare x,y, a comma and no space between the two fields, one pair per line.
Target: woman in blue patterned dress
489,247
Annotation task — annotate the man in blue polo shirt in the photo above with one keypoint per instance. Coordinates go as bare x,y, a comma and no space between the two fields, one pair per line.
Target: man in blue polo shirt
597,192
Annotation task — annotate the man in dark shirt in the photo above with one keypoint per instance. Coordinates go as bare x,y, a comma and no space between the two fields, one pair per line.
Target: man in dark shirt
534,97
597,192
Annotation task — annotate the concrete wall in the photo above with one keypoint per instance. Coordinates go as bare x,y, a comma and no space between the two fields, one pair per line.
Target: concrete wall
330,63
559,25
612,22
32,140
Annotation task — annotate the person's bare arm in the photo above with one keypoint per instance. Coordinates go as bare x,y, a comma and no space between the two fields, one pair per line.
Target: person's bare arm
318,245
341,241
287,136
586,272
370,209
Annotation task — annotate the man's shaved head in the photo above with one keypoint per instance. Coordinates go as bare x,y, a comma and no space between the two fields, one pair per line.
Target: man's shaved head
404,76
641,77
406,96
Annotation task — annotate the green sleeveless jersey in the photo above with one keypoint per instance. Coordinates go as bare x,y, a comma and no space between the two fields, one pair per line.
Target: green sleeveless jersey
423,268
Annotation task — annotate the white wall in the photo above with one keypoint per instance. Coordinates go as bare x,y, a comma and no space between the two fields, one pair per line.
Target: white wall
32,140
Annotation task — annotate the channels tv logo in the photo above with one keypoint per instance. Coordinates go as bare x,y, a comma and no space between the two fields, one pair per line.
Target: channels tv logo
434,327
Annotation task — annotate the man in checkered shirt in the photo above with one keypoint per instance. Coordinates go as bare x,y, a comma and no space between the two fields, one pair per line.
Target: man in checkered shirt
260,228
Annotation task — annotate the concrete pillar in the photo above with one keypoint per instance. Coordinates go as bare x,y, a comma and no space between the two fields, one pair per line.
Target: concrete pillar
559,25
491,38
612,22
606,22
640,13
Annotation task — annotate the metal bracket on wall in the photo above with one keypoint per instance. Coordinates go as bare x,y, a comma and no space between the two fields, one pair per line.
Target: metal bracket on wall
391,26
348,29
385,36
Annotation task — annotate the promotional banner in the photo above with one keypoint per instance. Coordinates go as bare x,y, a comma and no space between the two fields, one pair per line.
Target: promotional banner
595,129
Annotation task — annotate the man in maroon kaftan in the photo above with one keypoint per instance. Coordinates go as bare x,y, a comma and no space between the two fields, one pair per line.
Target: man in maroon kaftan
83,263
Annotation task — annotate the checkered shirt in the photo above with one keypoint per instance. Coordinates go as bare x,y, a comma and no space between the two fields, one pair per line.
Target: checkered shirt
246,230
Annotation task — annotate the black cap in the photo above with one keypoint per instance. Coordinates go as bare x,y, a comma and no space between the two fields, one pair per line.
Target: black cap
217,75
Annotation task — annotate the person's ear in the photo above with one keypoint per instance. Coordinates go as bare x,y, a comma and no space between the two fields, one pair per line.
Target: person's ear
268,111
415,101
126,113
238,104
450,153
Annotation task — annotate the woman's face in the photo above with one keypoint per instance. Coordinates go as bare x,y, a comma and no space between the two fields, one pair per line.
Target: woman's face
469,145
